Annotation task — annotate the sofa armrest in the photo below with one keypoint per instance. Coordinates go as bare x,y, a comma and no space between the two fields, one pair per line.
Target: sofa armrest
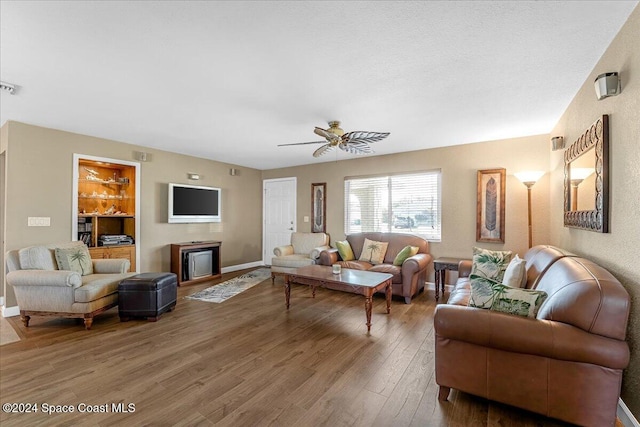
315,253
59,278
111,266
328,256
283,250
464,268
416,263
516,334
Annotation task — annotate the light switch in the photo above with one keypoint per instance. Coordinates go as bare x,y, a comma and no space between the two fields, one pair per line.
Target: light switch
305,218
38,221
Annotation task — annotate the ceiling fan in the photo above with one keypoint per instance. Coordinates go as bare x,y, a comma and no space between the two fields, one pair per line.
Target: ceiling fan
352,142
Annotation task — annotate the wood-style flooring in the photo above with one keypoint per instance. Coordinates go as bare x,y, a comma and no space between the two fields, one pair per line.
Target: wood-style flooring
245,362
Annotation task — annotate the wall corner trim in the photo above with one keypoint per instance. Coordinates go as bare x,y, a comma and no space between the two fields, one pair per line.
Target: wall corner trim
10,311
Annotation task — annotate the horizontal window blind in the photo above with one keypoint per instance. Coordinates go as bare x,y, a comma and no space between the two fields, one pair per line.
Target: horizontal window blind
403,203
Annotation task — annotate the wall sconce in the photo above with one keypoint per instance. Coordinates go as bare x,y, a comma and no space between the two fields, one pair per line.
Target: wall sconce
557,143
529,179
193,176
141,156
607,84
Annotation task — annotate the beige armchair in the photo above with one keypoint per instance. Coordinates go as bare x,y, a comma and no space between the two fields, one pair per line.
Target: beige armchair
44,290
304,250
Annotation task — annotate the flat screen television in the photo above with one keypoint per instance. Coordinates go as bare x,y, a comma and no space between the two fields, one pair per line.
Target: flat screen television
193,203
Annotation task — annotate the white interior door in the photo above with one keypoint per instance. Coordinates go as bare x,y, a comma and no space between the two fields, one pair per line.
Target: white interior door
279,213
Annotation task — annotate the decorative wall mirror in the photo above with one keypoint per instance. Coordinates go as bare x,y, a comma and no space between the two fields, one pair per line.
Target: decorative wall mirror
586,179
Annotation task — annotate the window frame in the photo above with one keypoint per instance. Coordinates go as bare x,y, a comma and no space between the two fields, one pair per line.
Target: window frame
350,225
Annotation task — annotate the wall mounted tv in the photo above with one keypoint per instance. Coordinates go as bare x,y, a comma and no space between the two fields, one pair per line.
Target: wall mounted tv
192,203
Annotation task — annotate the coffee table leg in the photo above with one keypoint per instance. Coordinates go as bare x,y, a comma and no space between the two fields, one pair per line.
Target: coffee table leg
368,303
313,291
287,290
388,295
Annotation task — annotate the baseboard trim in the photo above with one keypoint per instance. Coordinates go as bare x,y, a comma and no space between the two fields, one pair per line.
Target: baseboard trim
233,268
10,311
625,416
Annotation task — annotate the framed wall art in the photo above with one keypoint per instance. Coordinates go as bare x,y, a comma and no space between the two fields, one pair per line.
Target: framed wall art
318,207
490,215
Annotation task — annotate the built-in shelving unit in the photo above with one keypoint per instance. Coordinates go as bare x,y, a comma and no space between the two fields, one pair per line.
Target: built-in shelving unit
106,204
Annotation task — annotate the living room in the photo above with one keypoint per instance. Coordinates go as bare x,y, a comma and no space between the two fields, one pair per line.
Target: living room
38,182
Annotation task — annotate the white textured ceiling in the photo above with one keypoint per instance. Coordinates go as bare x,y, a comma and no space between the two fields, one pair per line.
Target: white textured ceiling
229,81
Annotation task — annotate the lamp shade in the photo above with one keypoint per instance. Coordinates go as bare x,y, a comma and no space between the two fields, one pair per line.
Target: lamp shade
581,173
530,177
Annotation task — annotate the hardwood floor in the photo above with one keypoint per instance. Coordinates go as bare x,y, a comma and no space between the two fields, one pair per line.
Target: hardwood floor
245,362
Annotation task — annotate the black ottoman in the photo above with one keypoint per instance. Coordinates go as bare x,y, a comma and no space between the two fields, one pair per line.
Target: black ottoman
147,295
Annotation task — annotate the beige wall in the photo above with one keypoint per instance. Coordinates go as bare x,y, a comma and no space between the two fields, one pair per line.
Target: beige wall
618,250
459,166
39,183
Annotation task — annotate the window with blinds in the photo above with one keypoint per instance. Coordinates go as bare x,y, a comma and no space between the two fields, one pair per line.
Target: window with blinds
403,203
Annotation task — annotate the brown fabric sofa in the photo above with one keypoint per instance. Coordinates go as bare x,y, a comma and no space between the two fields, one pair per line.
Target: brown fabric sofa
566,363
408,279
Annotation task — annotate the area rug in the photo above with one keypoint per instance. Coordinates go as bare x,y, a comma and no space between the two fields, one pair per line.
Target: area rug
225,290
7,333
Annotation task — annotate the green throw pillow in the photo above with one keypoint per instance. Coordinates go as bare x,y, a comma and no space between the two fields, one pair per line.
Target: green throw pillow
490,264
406,252
76,258
345,251
489,294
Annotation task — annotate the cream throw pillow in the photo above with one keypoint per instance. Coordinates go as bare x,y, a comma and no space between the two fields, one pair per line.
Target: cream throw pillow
76,258
515,275
488,294
373,251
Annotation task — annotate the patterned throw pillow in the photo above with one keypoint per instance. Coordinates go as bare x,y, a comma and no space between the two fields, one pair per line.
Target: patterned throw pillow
490,264
406,252
481,291
345,251
522,302
489,294
373,251
515,275
76,258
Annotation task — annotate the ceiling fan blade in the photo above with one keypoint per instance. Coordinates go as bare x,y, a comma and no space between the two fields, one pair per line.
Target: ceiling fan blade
331,137
362,136
303,143
357,147
323,150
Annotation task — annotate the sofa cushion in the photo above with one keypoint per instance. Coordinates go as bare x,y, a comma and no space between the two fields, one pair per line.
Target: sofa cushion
37,258
390,269
522,302
515,275
76,258
294,261
373,251
96,286
345,251
406,252
356,265
490,264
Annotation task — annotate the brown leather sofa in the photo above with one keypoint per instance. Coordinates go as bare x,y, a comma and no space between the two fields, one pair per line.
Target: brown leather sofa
566,363
408,279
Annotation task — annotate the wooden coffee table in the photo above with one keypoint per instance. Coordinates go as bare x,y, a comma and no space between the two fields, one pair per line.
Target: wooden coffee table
355,281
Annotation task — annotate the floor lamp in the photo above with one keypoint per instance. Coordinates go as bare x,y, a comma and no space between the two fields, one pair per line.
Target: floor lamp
528,179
